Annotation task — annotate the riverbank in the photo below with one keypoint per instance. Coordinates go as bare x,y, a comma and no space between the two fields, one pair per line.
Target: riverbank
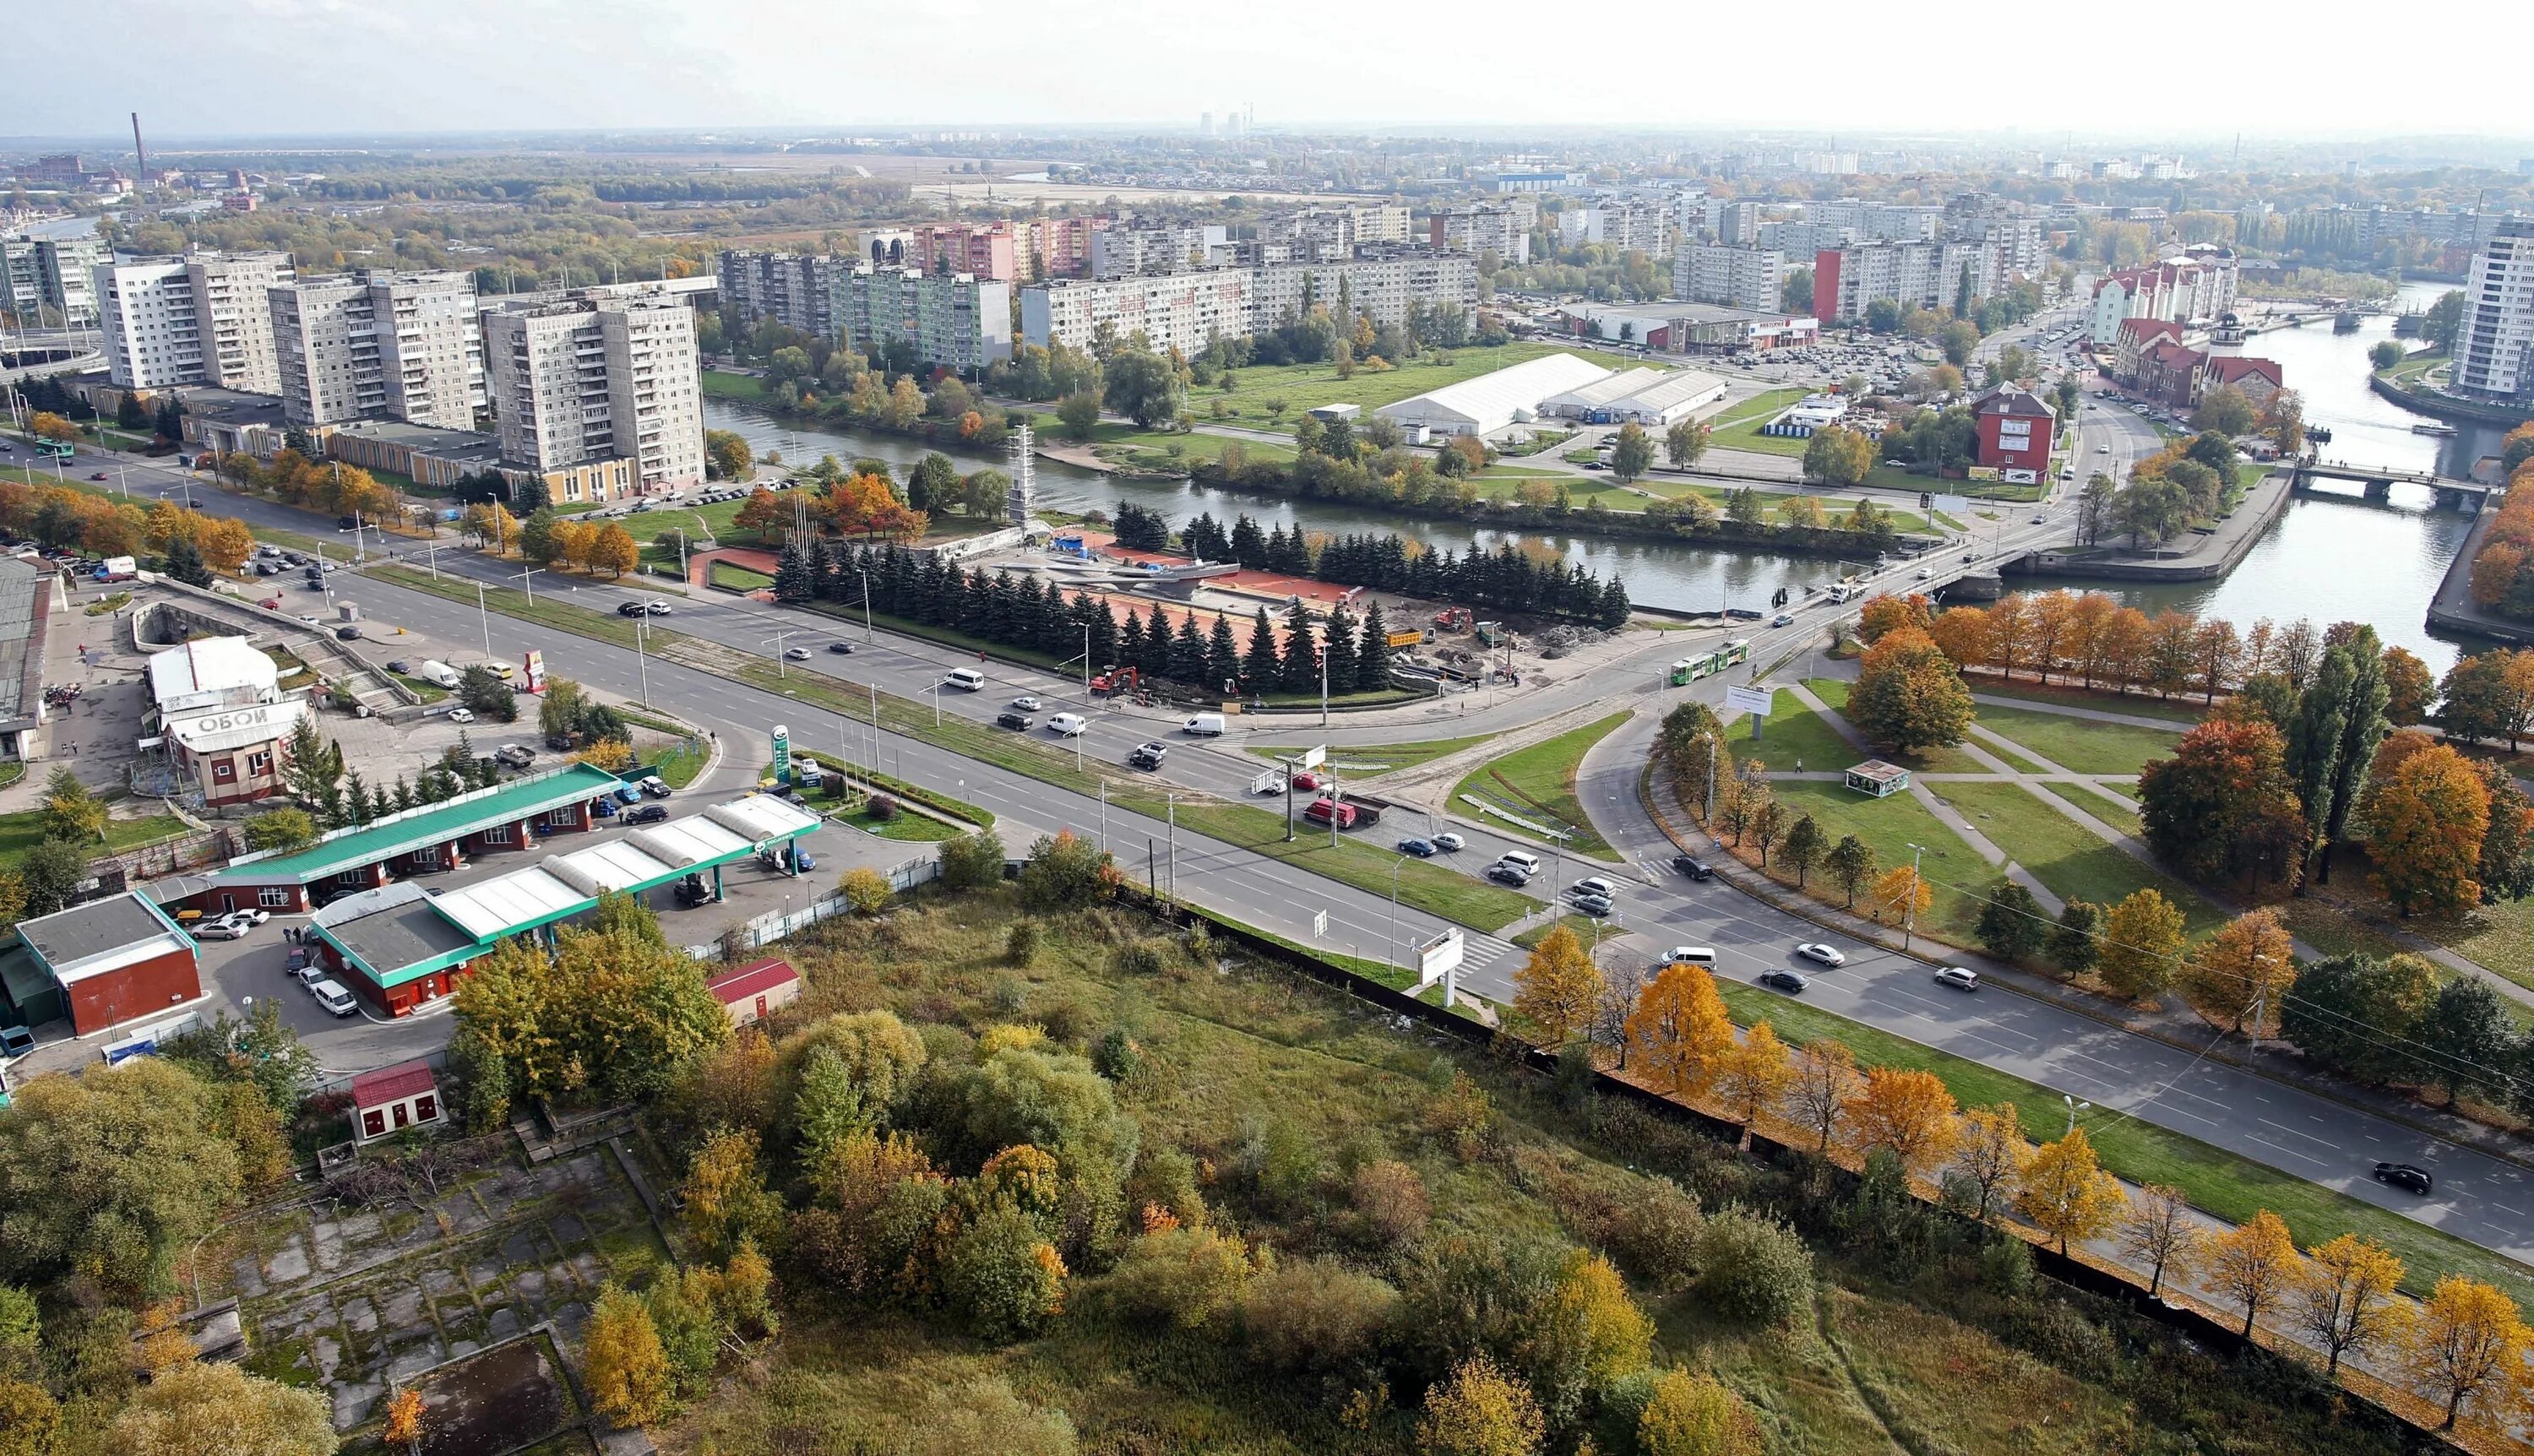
2444,406
2210,557
2454,610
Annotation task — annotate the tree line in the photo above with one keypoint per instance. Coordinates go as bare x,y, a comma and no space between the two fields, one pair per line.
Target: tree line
2501,579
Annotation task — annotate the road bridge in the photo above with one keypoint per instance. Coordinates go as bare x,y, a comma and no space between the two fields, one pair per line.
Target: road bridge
2377,482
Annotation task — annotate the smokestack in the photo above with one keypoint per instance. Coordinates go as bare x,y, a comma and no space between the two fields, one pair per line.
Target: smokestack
140,157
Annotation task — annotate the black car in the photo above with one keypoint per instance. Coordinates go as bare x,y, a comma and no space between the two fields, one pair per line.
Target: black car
2403,1176
1692,867
349,631
1791,982
648,814
1022,721
840,648
628,609
1508,875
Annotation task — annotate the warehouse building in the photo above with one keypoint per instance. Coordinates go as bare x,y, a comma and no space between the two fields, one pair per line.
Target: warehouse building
1495,402
112,960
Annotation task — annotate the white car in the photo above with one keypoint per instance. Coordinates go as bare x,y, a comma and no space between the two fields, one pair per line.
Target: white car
1820,954
333,998
252,915
1449,842
1924,573
1027,702
222,928
797,655
1595,885
1068,725
1961,977
658,608
462,716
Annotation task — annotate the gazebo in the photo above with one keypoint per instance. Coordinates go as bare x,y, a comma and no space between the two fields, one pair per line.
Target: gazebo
1878,779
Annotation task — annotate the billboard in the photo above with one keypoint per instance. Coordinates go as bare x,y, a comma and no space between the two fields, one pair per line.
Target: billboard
532,664
1756,701
1439,957
782,755
1953,505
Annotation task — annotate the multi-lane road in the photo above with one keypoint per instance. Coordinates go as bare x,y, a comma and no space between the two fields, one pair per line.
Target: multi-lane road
2480,1198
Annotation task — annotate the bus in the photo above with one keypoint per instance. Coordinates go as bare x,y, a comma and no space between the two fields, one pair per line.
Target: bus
54,450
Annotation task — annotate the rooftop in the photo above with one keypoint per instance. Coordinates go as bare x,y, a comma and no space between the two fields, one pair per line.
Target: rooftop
209,670
390,1084
101,936
731,988
1497,394
452,819
393,926
429,439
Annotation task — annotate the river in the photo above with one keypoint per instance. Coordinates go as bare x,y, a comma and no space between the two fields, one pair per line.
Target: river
2347,558
2326,559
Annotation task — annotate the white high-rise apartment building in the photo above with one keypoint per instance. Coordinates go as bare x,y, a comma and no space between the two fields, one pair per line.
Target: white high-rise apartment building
45,280
1120,252
1736,277
1881,222
1629,224
596,378
1910,275
2494,350
200,319
1186,311
951,321
380,346
1501,229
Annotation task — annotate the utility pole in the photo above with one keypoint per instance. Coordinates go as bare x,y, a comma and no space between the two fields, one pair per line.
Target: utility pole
1171,811
1909,910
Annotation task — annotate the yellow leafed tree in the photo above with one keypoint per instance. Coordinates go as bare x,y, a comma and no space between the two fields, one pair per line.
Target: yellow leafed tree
627,1369
1752,1075
1680,1029
2252,1262
2066,1192
1906,1110
2344,1297
1557,987
2468,1344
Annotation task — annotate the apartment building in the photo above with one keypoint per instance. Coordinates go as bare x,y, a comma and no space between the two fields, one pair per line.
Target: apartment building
1058,247
1630,226
1501,229
47,280
1187,310
1181,311
1122,252
1334,235
955,321
200,319
2494,350
598,377
1736,277
985,250
379,345
2196,286
797,291
21,278
1737,224
1910,275
1878,222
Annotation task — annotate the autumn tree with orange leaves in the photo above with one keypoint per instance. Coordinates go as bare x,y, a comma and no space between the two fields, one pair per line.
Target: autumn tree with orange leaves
1680,1029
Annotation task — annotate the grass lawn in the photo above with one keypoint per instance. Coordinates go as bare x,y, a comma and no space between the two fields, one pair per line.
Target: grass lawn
2065,855
1888,827
732,577
2136,705
1738,427
1581,924
1792,734
2080,744
728,386
1540,783
1303,387
672,760
1942,759
2223,1183
1380,757
912,828
2100,804
1366,865
24,830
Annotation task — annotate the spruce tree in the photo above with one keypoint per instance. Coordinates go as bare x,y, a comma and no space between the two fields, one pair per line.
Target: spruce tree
1188,653
1302,664
1259,668
1157,645
1221,658
1131,644
1372,653
791,583
1341,645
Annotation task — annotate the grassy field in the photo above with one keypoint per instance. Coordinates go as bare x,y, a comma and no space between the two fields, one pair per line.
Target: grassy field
1738,426
1793,734
2067,855
1304,388
2080,744
2101,806
1581,924
1539,782
2223,1183
732,577
1378,757
2136,705
1942,759
1888,827
674,759
24,830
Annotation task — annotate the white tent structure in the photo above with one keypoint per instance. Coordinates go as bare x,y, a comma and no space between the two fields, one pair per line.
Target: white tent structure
1492,401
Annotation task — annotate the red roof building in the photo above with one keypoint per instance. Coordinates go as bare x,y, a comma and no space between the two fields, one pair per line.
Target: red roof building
755,991
391,1098
2016,428
2258,379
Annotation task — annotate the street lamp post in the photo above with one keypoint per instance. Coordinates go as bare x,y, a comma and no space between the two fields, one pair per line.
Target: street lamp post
527,580
2074,1107
641,654
1909,908
484,616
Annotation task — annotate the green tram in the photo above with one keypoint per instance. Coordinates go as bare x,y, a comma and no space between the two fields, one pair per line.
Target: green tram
1690,669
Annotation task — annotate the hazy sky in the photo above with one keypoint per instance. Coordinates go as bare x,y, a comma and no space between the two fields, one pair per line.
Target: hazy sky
231,67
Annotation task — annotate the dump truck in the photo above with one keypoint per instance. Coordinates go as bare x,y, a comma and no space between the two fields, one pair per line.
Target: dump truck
1408,639
1453,619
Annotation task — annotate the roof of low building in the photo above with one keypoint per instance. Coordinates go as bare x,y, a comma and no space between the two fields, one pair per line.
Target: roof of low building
392,927
1878,771
396,1084
2012,399
212,669
1497,394
220,729
102,935
736,985
435,824
2228,368
1665,390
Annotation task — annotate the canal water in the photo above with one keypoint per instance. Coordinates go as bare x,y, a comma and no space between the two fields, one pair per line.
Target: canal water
2347,558
2328,559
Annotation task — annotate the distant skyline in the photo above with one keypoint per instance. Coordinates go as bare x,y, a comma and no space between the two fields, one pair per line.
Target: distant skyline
279,67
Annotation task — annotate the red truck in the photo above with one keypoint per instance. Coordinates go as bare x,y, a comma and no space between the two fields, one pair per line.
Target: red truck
1348,813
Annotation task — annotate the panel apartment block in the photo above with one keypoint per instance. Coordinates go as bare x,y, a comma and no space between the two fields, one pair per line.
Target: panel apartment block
956,322
592,378
1187,310
2493,349
794,289
202,318
380,346
1737,278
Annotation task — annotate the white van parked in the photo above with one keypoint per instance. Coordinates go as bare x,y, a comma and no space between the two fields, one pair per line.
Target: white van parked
965,679
1523,859
333,998
438,674
1203,725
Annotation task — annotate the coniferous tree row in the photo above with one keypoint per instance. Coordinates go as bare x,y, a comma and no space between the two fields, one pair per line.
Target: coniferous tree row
1504,579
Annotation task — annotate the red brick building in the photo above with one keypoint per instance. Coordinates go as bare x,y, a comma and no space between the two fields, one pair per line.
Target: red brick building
757,990
116,959
2016,427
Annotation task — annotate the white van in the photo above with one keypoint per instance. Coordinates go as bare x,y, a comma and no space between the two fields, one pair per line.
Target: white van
1068,725
333,998
1203,725
965,679
439,674
1523,859
1691,955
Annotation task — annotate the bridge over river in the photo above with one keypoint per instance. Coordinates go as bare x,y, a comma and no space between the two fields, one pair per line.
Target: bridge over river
2376,483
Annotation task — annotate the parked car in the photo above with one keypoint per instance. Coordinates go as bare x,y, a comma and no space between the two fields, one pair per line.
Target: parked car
399,665
462,716
653,785
270,604
252,915
1961,977
2403,1176
349,631
517,754
1821,954
648,814
1450,843
1424,849
222,928
333,998
1791,982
